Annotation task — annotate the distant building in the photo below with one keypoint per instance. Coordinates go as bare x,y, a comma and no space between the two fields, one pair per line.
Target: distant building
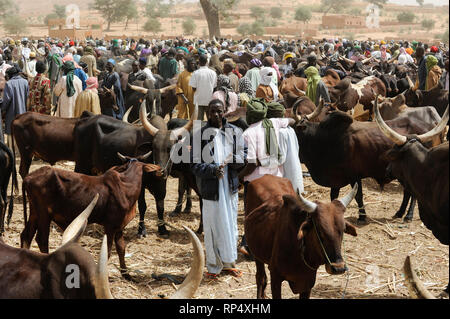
88,28
343,21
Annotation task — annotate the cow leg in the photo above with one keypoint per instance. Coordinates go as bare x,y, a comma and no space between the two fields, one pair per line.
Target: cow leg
402,209
25,163
30,229
275,284
261,280
43,232
334,193
359,199
162,231
188,207
200,226
304,294
409,216
142,232
120,248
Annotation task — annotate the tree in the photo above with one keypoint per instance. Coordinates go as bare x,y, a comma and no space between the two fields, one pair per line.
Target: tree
420,2
7,7
302,14
212,9
131,12
257,12
406,17
257,28
444,36
276,12
244,29
14,25
152,25
59,10
189,26
336,5
428,24
157,9
50,16
111,10
379,3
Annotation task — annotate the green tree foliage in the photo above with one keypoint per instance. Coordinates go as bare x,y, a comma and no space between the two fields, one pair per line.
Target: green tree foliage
428,24
59,10
7,7
256,28
189,26
157,9
111,10
152,25
379,3
406,17
14,25
420,2
257,12
50,16
302,14
131,12
276,12
244,29
334,5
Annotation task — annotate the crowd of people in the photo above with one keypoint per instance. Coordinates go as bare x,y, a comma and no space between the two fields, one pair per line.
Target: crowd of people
61,78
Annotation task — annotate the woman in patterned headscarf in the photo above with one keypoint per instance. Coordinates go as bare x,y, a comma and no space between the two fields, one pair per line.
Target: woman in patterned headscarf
67,88
224,92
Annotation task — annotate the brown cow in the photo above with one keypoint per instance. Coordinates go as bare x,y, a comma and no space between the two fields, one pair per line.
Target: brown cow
331,78
294,85
46,137
358,97
28,274
293,235
57,195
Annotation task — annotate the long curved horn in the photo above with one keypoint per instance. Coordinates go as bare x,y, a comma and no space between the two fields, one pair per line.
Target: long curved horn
127,113
306,205
145,123
411,84
139,89
243,41
426,137
122,158
188,126
316,112
154,107
349,196
76,228
144,157
415,285
101,284
190,285
390,133
294,112
299,91
167,88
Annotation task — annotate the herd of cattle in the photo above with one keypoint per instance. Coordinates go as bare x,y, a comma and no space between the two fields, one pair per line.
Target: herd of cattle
378,126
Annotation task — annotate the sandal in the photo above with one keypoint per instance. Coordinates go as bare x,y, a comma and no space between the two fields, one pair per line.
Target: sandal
212,276
233,272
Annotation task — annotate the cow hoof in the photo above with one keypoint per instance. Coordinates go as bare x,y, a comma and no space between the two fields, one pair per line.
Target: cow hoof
362,219
397,215
186,211
407,220
175,212
163,232
142,232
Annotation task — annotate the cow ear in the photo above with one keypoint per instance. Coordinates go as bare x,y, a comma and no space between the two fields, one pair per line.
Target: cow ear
304,228
350,229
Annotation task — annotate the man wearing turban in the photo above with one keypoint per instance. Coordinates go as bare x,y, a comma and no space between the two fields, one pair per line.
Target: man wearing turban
67,89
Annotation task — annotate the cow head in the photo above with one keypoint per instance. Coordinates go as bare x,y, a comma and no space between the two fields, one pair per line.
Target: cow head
163,139
344,96
406,145
107,99
93,279
321,233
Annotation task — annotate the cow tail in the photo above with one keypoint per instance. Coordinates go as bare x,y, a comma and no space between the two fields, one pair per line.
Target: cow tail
14,176
13,182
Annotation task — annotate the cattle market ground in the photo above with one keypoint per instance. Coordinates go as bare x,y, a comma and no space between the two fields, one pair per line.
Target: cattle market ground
375,257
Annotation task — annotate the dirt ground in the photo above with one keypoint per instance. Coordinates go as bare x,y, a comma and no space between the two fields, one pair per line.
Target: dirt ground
374,258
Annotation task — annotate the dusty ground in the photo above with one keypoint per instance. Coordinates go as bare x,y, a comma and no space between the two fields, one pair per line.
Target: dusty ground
374,258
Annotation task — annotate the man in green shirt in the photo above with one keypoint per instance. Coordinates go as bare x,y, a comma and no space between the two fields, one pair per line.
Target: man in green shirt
168,66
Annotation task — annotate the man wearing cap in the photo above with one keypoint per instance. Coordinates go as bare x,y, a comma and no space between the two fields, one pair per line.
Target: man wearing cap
287,67
168,66
14,98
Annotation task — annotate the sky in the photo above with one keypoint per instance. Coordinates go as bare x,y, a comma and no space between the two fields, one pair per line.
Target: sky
413,2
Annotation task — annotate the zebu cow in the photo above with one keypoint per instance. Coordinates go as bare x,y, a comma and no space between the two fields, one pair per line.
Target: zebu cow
57,195
425,172
293,235
98,140
339,151
357,97
25,274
